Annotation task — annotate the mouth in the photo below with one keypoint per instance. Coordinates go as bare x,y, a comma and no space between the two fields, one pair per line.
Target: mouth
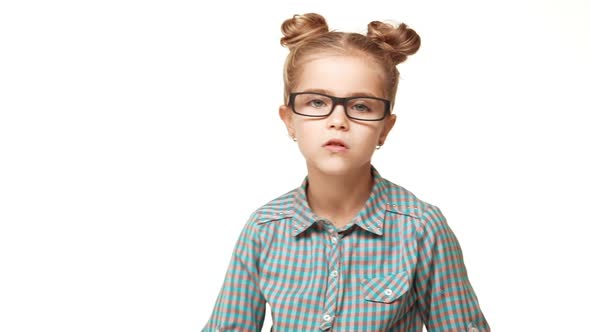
335,145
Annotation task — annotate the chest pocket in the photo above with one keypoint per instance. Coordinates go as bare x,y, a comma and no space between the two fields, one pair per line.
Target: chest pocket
386,288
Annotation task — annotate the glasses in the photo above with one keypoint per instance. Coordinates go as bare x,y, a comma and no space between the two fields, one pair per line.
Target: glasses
321,105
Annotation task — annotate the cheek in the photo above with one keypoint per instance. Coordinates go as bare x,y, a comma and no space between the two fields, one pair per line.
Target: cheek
308,135
309,130
370,135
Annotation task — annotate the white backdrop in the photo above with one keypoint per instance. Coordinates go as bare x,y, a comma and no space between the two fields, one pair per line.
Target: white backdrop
136,137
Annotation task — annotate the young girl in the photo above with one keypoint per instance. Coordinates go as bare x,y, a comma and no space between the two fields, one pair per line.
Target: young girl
347,250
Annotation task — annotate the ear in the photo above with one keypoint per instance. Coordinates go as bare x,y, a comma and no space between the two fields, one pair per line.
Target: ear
287,117
389,122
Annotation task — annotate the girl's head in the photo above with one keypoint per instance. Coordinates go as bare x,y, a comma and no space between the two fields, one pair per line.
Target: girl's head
323,71
308,37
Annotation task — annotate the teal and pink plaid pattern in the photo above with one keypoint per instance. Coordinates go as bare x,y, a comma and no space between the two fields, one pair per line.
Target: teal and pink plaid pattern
396,267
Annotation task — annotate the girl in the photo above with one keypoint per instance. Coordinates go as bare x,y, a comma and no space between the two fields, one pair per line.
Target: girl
347,250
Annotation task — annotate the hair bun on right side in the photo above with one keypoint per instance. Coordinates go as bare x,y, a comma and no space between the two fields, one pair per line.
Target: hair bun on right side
302,27
399,42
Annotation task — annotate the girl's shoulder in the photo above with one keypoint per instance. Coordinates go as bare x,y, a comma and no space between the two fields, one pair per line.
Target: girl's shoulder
281,207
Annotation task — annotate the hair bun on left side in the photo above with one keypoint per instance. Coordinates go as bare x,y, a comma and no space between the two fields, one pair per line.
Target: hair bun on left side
399,42
301,27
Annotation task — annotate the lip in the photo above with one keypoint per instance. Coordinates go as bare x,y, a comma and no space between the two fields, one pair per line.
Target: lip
335,145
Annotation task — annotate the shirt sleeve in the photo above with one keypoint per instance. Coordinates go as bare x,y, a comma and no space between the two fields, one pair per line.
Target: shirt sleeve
446,299
240,305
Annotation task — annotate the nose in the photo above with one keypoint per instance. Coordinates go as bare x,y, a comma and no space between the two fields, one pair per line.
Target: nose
338,118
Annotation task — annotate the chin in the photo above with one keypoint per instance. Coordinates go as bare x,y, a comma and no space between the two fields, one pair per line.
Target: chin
335,166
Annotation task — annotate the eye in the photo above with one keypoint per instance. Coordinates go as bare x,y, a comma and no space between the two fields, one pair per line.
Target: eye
360,108
317,103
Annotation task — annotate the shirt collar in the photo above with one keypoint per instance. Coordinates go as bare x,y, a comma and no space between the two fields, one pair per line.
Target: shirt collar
369,218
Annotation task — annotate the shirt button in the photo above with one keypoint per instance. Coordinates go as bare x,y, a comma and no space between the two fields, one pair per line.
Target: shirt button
334,240
388,292
334,273
327,318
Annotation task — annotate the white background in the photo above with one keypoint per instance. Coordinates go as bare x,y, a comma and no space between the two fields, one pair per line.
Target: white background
136,137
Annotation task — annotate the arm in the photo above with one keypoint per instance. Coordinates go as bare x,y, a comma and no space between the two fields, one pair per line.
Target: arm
446,299
240,305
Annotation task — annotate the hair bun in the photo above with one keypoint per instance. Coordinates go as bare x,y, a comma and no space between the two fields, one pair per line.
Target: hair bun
302,27
399,42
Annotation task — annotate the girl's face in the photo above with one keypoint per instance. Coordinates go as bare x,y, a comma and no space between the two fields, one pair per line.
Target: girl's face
338,76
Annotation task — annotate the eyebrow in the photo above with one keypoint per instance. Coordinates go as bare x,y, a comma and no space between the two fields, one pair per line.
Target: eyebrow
354,94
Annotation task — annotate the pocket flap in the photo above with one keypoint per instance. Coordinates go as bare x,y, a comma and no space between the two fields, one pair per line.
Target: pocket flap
386,288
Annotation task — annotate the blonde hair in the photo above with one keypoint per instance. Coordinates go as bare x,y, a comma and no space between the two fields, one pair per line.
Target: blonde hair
307,35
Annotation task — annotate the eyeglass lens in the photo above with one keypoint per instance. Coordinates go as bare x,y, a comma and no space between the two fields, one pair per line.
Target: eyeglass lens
365,108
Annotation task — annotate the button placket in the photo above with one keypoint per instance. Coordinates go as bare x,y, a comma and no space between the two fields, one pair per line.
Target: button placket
332,286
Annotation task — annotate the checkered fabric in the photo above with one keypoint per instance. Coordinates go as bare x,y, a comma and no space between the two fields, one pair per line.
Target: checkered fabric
397,266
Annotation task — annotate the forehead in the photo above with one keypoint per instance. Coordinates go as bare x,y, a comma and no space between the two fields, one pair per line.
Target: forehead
341,76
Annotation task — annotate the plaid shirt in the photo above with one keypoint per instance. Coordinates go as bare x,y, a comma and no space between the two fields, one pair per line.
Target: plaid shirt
395,267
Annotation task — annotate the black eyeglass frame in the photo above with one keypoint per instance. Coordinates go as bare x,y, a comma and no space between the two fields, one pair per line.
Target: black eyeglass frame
338,101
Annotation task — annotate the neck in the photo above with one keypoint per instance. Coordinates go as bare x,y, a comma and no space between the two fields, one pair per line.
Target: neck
339,197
